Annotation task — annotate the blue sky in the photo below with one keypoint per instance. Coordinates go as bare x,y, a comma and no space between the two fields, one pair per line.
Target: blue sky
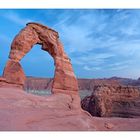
100,43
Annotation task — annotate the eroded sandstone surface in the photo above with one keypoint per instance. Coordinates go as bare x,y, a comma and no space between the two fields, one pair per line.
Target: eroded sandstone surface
64,79
23,111
113,101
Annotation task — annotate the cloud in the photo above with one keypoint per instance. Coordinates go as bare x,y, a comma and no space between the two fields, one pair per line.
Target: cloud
118,68
74,31
93,59
91,68
104,39
96,40
118,65
100,64
16,18
4,38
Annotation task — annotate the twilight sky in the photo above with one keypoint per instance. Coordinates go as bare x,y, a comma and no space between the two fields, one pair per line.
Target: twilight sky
100,43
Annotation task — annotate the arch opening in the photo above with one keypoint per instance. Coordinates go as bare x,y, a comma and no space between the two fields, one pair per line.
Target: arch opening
38,63
39,69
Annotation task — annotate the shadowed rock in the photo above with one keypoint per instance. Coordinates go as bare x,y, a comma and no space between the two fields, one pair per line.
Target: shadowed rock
113,101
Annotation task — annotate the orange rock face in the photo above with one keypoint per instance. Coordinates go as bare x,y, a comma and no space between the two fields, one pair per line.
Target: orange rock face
34,33
13,73
113,101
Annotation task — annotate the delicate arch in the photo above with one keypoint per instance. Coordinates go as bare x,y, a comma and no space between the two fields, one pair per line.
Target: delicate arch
34,33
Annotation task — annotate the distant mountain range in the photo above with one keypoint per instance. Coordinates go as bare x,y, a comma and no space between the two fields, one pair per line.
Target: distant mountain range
127,81
84,84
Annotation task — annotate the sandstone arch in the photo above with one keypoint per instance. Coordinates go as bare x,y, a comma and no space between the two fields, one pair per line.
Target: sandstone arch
34,33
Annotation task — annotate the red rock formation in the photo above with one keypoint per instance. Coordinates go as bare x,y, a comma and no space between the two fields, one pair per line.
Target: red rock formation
20,111
34,33
113,101
30,112
89,84
38,83
83,84
13,73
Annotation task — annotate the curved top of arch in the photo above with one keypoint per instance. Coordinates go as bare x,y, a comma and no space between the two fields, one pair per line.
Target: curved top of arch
35,33
43,26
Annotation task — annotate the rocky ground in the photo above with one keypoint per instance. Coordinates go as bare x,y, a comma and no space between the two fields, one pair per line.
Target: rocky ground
112,97
113,101
23,111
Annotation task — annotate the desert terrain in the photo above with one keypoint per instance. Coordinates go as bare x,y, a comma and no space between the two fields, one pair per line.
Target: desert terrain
62,103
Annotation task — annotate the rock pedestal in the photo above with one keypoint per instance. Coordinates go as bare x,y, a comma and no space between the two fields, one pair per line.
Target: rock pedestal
13,73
